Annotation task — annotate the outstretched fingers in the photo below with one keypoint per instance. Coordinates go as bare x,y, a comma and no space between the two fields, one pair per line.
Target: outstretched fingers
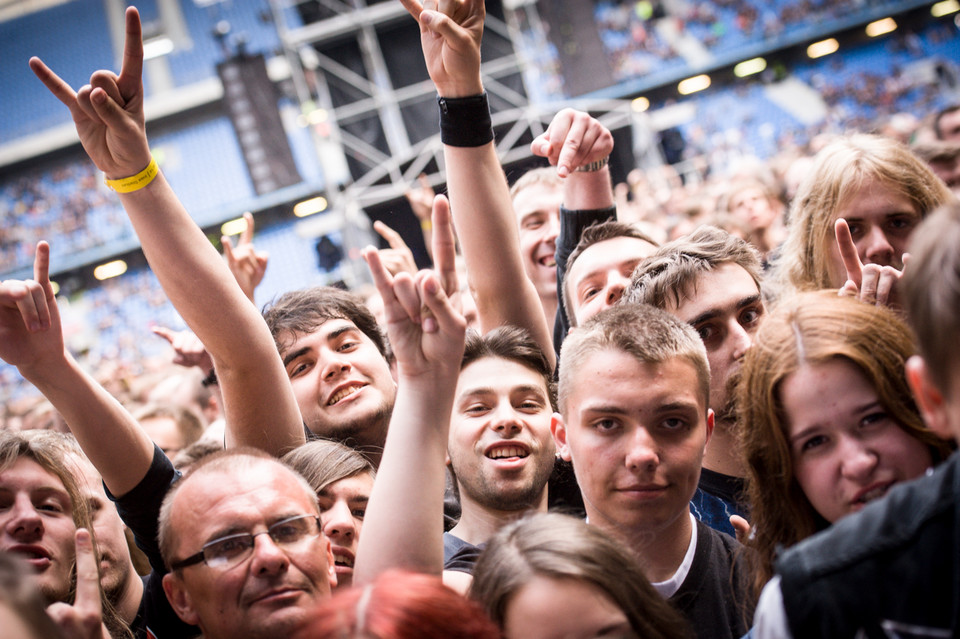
394,239
84,618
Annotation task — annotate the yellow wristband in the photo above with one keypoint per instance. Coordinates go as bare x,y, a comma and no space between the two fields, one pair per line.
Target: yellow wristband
426,225
135,182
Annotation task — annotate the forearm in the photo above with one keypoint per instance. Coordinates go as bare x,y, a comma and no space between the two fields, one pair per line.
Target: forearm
258,403
108,434
483,215
586,190
403,527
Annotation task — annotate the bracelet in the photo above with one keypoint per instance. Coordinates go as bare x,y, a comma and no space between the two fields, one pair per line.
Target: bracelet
465,122
135,182
210,379
426,225
594,166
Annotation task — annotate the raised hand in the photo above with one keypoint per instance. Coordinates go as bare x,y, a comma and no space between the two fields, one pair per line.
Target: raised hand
450,34
572,140
870,283
421,198
247,264
425,329
189,350
30,332
84,618
398,258
108,112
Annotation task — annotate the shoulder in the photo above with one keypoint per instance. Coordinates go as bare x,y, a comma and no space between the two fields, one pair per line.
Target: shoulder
910,511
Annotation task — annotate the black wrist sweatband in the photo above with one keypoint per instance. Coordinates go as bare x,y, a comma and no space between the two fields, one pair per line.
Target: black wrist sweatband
465,121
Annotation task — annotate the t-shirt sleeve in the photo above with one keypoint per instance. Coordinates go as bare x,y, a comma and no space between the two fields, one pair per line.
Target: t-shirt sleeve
140,507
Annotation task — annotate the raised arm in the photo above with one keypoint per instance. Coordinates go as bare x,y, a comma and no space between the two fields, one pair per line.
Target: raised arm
31,338
259,404
478,191
403,525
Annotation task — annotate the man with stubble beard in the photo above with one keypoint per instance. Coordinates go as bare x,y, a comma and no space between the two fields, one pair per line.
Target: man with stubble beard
711,280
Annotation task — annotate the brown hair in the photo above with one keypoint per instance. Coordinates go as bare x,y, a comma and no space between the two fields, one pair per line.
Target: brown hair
561,547
812,328
302,312
664,277
594,234
322,462
513,344
932,292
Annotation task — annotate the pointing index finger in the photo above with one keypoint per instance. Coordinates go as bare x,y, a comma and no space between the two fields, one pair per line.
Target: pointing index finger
848,252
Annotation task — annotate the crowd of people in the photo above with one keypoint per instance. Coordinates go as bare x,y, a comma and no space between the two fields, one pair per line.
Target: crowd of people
739,419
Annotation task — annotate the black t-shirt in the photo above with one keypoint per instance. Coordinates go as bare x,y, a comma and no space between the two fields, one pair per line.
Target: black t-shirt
139,509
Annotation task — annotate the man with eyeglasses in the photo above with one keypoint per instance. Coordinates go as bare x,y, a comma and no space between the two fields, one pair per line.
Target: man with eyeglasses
241,536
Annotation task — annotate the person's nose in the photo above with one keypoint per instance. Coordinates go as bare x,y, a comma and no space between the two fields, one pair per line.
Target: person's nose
506,420
339,523
857,460
615,288
24,522
335,365
877,249
741,340
268,557
642,456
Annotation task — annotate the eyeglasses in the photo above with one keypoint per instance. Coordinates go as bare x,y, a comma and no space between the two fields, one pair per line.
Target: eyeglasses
228,551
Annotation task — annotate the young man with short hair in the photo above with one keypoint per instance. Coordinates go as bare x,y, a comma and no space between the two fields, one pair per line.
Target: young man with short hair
500,450
598,270
711,280
634,420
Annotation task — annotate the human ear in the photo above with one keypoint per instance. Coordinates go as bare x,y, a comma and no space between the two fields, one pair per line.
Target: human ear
331,564
929,399
559,432
711,420
180,599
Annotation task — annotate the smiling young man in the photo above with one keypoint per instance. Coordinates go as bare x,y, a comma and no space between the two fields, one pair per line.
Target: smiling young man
634,421
537,197
500,449
711,280
337,362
